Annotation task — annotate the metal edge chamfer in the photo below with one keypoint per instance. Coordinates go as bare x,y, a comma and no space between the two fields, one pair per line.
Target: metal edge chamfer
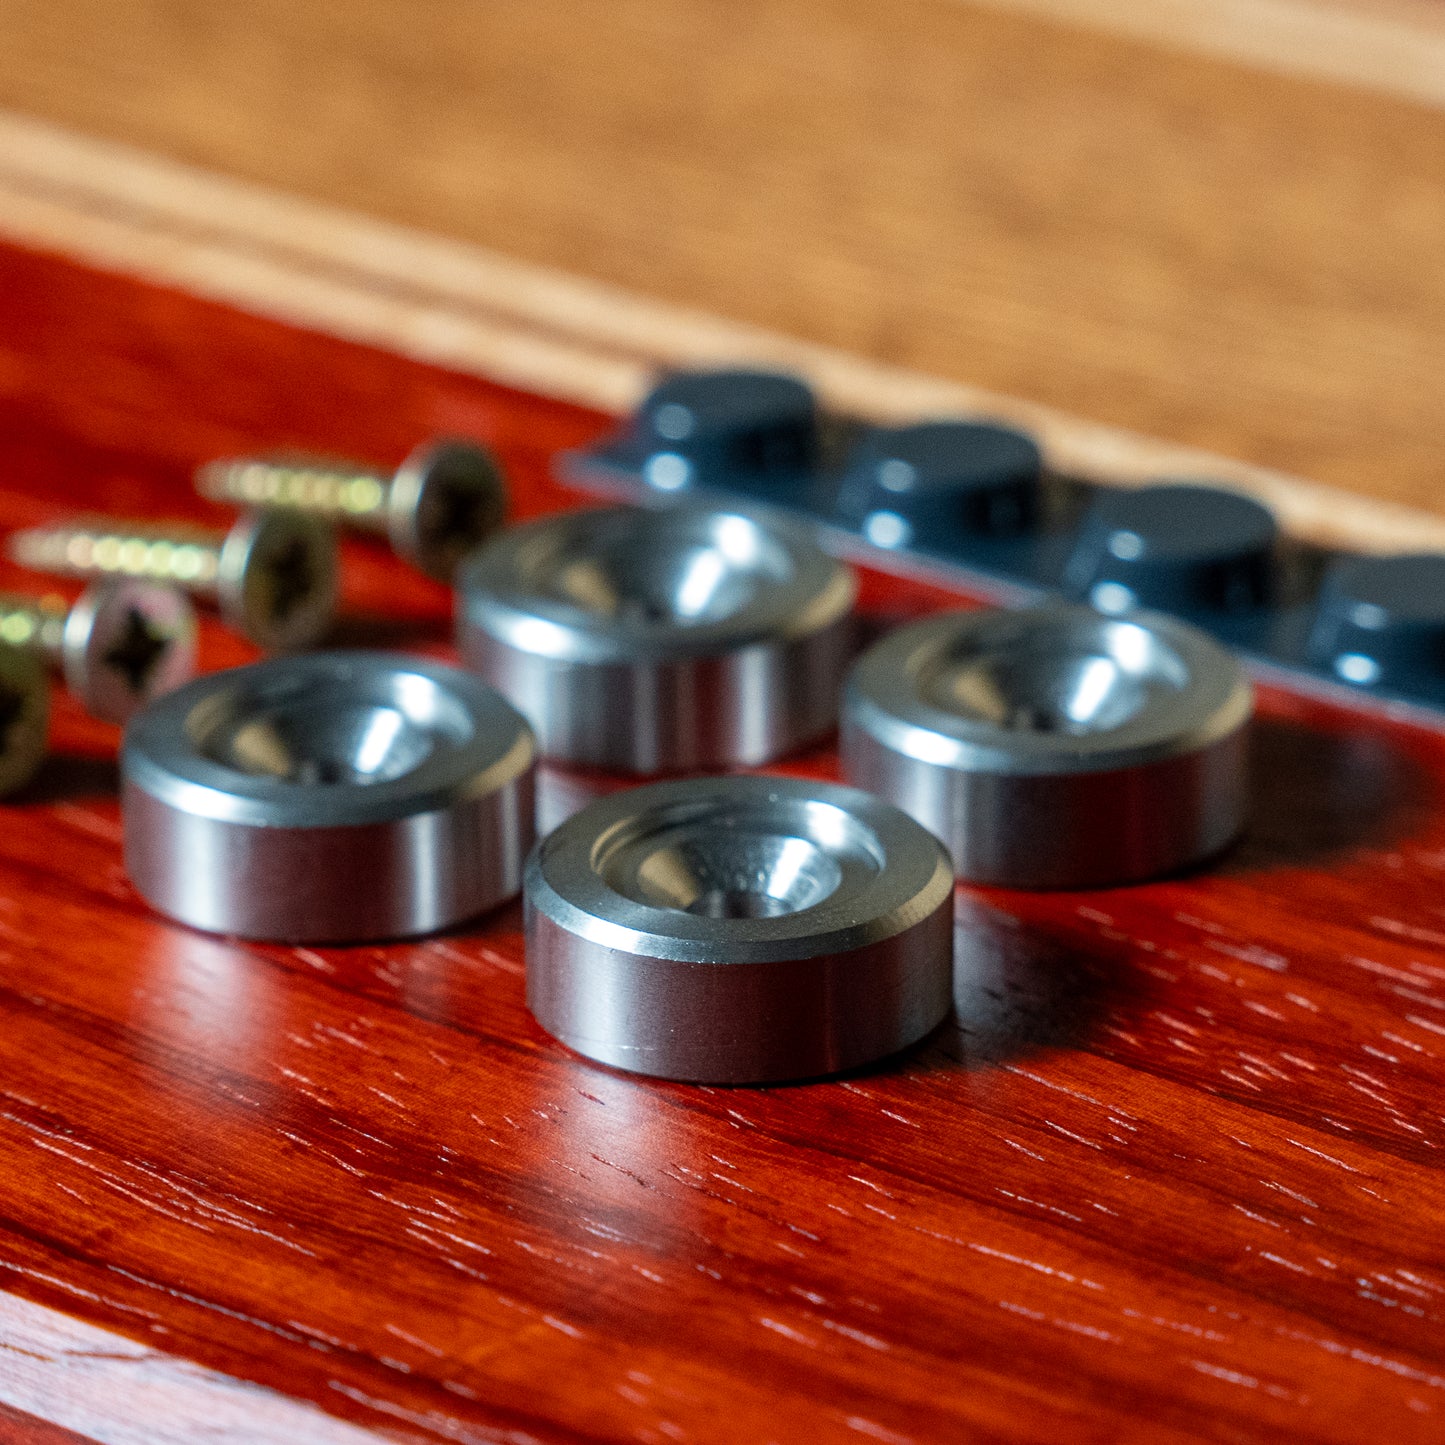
661,640
125,643
739,930
278,578
446,499
1055,747
24,716
331,797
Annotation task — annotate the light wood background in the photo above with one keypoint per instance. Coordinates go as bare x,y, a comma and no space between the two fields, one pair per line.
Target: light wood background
1091,205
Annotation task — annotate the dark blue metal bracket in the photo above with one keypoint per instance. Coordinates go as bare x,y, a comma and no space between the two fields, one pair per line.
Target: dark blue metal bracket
976,499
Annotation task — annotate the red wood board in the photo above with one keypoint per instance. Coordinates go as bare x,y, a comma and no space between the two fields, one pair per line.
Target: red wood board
1174,1174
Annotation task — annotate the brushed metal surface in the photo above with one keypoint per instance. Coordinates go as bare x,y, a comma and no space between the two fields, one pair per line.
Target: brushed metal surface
652,641
739,930
330,797
1054,747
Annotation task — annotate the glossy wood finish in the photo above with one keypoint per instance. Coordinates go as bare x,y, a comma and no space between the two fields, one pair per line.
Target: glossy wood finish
1202,250
1172,1175
18,1428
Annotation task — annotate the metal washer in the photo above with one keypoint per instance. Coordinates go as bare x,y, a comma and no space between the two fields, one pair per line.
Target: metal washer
739,930
1054,747
661,640
334,797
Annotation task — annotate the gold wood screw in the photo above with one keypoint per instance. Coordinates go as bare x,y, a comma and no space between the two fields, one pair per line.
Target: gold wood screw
273,575
121,644
24,716
444,499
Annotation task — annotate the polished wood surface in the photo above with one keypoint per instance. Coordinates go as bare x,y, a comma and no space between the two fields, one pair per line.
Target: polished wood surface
18,1428
1173,1173
1133,231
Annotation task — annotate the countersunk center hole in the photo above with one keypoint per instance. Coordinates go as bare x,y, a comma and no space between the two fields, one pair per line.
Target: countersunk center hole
663,572
740,859
319,746
737,875
1056,685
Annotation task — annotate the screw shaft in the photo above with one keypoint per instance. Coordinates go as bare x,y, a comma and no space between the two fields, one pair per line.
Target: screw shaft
339,491
185,557
37,622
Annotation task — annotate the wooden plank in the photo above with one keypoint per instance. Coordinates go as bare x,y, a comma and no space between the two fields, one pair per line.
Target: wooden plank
92,1385
1172,1174
1396,47
457,305
18,1428
1213,253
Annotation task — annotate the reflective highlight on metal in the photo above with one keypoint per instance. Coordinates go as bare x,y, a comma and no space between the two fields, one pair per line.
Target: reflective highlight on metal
661,640
334,797
739,930
1054,747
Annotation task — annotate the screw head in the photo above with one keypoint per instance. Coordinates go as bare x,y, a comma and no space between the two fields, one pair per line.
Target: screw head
24,716
279,579
448,496
126,642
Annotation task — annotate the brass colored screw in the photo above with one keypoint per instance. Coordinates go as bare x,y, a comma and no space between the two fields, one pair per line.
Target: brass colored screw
24,716
273,575
123,643
446,497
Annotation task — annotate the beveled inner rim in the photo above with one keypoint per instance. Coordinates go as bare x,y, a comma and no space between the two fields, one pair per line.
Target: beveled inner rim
1067,678
738,860
663,569
318,735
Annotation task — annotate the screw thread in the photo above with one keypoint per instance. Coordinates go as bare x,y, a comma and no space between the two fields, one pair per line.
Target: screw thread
338,491
185,557
37,622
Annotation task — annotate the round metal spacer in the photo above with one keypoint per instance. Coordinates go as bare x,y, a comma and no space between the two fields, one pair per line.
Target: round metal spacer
661,640
1054,747
739,930
333,797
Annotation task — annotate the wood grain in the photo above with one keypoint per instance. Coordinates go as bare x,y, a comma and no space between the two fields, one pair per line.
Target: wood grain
1393,46
1172,1174
1200,250
18,1428
101,1387
529,326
